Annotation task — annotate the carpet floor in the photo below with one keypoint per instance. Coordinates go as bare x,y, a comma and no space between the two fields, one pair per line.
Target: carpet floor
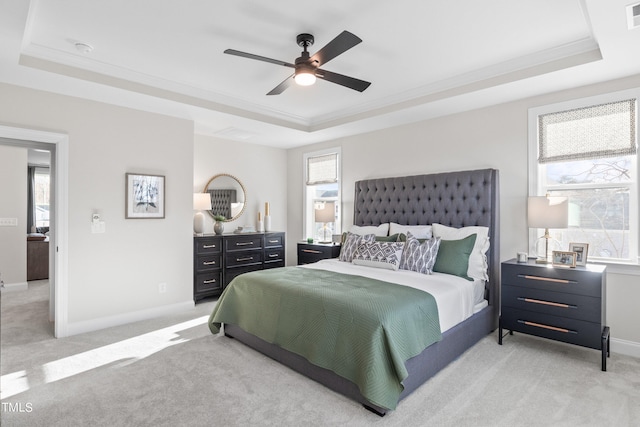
171,371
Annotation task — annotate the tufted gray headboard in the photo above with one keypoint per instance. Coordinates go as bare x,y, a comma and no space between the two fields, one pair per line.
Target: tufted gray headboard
455,199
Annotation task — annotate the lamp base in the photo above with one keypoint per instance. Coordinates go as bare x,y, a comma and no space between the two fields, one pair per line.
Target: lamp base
545,246
198,223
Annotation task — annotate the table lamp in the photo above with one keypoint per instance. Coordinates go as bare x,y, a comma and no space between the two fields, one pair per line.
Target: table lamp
326,214
547,212
201,202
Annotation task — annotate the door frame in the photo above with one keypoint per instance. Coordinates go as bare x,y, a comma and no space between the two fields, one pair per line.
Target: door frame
58,145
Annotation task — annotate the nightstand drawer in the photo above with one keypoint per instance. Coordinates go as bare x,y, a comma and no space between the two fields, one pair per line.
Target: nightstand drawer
236,259
555,303
572,281
310,253
587,334
208,245
208,262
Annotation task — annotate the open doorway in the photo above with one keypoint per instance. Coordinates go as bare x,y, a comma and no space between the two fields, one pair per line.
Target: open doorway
57,146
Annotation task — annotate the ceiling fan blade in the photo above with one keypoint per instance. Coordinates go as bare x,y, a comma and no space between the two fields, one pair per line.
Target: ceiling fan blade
282,86
343,42
258,57
350,82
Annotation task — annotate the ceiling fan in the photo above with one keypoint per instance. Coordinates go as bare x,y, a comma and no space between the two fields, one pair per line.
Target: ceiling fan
307,68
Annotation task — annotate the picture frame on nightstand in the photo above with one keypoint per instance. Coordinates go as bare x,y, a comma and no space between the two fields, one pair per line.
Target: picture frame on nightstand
563,259
581,250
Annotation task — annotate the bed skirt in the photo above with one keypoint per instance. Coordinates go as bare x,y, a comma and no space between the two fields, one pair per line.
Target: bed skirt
454,342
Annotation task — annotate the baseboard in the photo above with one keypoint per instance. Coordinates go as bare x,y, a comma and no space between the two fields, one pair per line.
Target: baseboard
76,328
628,348
10,287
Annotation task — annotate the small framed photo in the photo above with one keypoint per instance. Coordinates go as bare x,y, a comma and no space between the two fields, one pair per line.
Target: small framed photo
581,250
144,196
563,259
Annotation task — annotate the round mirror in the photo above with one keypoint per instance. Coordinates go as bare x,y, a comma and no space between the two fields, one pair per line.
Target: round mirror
228,196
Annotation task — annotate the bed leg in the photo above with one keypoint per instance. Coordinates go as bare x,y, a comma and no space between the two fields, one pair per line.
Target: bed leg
374,410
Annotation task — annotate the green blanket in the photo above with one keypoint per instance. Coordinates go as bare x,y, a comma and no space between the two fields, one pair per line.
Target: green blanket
362,329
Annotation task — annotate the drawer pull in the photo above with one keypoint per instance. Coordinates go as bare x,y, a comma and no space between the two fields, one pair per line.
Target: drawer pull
273,255
209,263
311,251
206,282
208,246
554,304
243,243
244,259
546,279
553,328
274,241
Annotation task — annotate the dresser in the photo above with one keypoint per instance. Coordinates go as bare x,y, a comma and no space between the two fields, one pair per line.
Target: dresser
313,252
559,303
218,259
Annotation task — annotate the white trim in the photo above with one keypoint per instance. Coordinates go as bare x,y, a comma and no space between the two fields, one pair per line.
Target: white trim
58,239
82,327
628,348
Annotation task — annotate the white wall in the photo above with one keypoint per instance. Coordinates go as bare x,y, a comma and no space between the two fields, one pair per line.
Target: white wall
13,204
492,137
113,277
262,170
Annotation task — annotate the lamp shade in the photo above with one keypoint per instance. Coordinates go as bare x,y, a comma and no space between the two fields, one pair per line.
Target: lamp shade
327,213
201,201
548,212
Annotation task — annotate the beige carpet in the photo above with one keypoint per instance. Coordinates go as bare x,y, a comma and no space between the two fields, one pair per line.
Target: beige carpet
172,372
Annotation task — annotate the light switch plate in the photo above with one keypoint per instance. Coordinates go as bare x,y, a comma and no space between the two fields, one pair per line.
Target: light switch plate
8,222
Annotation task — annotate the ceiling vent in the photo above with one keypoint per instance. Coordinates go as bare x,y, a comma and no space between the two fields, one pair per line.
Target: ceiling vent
633,15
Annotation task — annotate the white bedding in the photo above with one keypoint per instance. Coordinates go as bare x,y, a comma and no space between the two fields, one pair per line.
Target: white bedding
454,295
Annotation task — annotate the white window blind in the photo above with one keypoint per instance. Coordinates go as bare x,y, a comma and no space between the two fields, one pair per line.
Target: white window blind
606,130
322,169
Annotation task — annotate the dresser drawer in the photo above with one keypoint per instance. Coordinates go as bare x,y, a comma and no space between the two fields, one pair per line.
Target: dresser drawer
208,262
208,245
572,281
243,243
232,273
274,255
235,259
273,240
208,281
555,303
580,332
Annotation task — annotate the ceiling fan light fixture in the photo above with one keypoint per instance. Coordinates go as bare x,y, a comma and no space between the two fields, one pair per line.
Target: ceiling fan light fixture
305,76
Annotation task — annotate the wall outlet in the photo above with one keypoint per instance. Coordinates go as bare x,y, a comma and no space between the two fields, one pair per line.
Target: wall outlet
162,287
8,222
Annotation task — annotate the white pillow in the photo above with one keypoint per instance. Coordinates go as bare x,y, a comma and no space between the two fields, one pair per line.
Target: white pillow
478,259
379,230
385,255
418,231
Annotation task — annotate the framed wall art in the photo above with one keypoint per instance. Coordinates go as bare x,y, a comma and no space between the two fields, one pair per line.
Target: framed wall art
581,250
144,196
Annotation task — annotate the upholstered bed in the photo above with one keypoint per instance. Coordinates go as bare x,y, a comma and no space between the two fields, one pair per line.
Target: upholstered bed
452,199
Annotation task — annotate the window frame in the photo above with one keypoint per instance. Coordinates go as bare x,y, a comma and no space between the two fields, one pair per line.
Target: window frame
535,180
307,214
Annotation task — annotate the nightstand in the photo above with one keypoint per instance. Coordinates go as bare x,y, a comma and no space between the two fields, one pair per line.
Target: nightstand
559,303
314,252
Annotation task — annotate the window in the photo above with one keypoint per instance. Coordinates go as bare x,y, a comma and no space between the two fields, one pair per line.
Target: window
322,194
586,151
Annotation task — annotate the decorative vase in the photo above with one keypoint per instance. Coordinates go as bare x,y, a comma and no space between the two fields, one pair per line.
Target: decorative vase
218,227
267,223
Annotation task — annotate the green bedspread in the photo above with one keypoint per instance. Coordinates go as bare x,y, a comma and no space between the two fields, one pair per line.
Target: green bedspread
362,329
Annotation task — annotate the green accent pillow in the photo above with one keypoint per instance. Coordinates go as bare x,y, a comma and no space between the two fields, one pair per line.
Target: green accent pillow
392,238
453,256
